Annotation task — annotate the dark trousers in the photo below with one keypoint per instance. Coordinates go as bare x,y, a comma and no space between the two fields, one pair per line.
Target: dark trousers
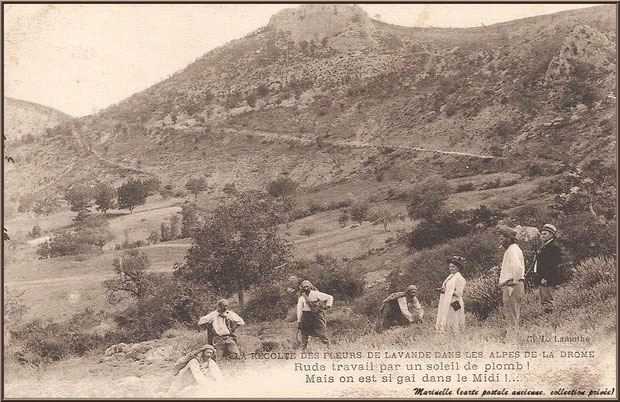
546,298
313,324
225,346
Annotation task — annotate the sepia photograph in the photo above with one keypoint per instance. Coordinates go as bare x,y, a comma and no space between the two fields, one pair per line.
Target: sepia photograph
309,201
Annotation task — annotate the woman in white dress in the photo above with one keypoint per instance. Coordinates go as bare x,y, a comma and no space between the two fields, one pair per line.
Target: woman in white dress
451,310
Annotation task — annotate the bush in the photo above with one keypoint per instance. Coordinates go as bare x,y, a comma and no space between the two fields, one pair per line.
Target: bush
41,342
483,295
428,268
154,237
469,186
281,187
582,237
88,236
126,244
343,219
35,232
168,303
359,212
430,233
331,277
426,199
307,231
269,302
594,271
348,325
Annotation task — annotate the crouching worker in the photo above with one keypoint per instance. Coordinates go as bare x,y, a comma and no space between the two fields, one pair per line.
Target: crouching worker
396,308
311,308
195,371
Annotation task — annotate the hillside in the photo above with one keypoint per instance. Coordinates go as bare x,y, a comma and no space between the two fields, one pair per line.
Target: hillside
336,79
28,119
487,124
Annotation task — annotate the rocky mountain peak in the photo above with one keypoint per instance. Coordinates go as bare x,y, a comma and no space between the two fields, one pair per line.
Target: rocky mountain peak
316,22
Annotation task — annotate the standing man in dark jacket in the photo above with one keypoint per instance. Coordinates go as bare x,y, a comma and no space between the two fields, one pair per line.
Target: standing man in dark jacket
548,260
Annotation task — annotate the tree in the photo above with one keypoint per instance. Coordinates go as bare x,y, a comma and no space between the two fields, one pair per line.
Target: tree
359,212
131,275
152,185
94,230
237,247
383,217
189,220
281,187
79,197
427,198
196,185
132,194
105,197
46,205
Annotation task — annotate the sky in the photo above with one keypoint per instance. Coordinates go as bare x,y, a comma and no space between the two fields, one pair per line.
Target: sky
80,58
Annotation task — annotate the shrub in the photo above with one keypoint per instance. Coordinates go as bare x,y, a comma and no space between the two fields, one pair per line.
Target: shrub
429,233
307,231
426,199
428,268
359,212
127,244
348,325
483,295
281,187
343,219
582,236
269,302
169,302
35,232
153,238
47,205
40,342
594,271
189,220
465,187
331,277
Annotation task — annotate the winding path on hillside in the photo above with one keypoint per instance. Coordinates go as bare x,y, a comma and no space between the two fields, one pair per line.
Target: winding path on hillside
104,160
354,144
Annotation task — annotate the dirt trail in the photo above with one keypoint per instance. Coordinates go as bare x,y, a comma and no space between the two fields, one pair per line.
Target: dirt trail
104,160
355,144
96,277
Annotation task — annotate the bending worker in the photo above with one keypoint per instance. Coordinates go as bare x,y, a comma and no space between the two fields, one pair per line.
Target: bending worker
395,309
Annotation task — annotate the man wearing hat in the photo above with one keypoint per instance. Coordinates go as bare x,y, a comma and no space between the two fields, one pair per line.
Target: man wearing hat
548,259
196,370
511,275
396,308
223,323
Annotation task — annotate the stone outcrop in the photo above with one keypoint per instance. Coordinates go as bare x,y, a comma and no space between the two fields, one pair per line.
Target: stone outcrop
317,22
584,45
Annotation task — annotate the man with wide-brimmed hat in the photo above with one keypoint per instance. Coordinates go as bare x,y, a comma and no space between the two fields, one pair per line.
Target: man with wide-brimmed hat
546,266
512,275
222,325
396,308
311,307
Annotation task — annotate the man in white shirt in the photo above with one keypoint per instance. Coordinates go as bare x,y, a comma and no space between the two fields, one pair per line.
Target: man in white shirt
223,323
395,309
511,276
311,308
